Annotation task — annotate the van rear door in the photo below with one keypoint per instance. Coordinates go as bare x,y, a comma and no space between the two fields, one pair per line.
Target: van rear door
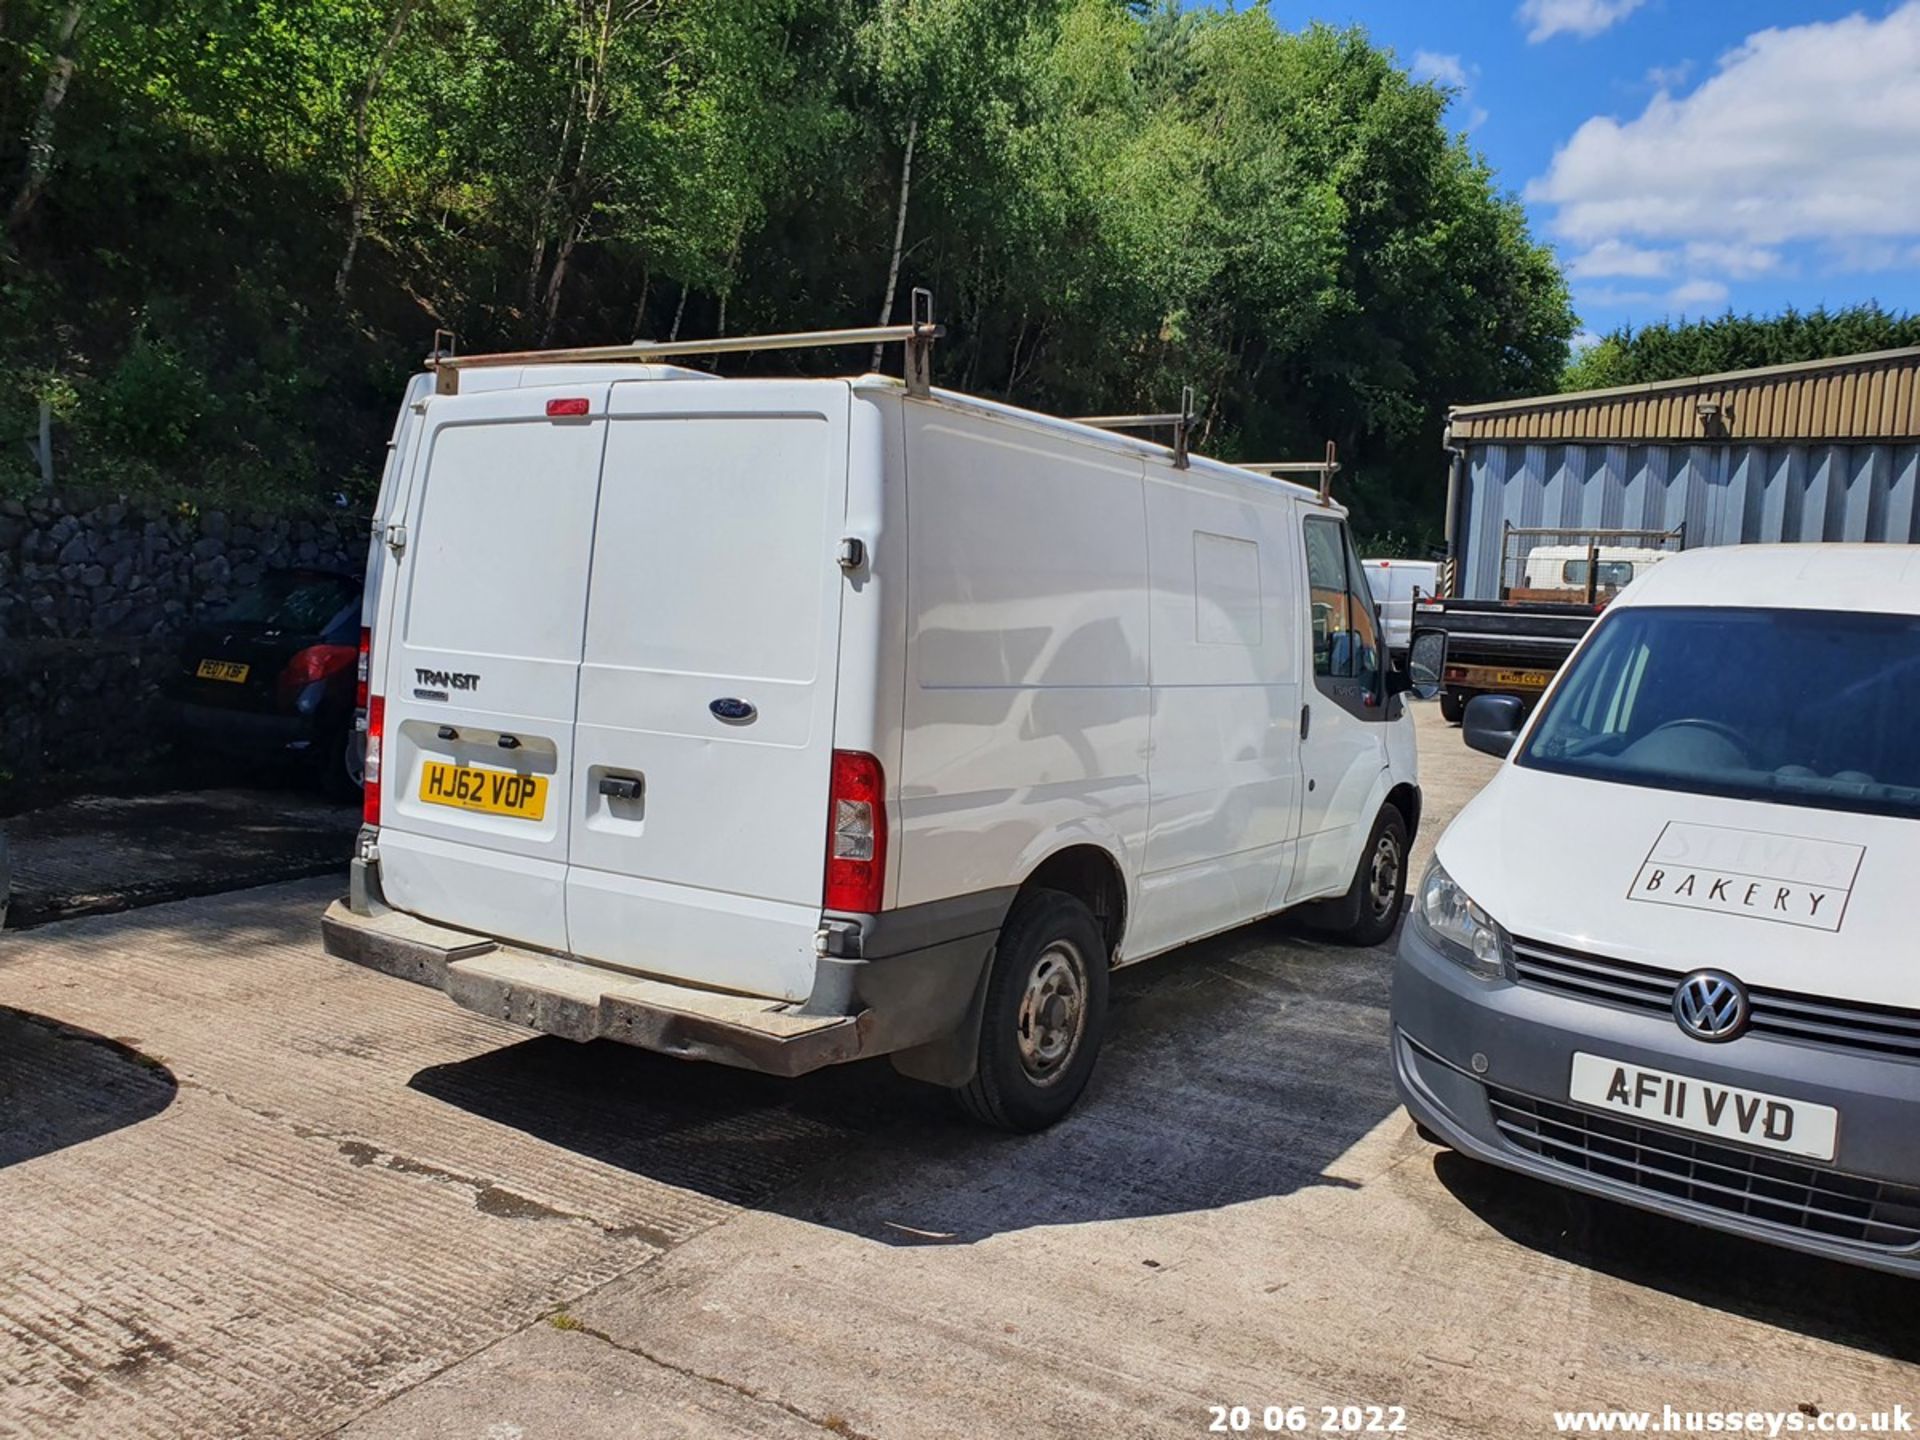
705,731
483,664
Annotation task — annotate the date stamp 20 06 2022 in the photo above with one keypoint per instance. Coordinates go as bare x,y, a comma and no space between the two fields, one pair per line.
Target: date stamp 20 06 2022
1307,1419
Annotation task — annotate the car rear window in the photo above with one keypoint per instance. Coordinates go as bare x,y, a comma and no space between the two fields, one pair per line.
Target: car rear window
1792,707
303,601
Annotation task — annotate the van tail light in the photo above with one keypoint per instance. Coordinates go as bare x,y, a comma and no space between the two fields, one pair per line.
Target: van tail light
856,834
366,669
316,662
370,780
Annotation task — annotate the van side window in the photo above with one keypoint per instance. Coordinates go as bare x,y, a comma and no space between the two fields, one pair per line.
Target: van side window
1366,627
1328,597
1346,644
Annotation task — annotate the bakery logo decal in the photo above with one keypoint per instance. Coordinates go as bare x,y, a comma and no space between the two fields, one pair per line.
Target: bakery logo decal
1785,879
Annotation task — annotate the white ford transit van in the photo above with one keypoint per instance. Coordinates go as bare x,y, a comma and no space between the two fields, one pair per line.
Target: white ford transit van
1667,955
787,722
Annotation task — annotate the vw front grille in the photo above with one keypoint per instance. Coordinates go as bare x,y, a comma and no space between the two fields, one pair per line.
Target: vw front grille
1725,1178
1811,1020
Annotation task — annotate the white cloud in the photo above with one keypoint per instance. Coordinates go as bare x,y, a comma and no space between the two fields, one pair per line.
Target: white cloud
1807,133
1585,18
1617,257
1450,72
1669,77
1584,340
1447,70
1698,293
1735,261
1797,153
1858,255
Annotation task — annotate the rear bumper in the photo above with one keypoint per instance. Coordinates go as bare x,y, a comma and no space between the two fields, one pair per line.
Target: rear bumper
590,1002
915,999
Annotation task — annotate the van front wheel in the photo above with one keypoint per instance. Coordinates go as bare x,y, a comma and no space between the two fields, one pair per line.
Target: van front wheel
1045,1014
1371,908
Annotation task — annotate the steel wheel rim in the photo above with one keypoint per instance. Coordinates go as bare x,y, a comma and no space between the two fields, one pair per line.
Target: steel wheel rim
1053,1013
1383,876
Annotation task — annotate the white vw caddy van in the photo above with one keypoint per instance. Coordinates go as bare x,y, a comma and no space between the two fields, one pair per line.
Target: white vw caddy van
1667,954
787,722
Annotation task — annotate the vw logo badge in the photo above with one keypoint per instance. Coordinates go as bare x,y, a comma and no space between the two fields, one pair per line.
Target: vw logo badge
1710,1005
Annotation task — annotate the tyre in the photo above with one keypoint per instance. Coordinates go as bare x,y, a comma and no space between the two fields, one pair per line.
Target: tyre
1453,706
1372,905
1045,1014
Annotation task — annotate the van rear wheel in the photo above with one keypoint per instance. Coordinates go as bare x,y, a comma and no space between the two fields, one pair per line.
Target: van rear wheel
1044,1016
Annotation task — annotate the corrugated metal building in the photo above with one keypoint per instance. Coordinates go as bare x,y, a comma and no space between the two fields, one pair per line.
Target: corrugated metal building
1827,450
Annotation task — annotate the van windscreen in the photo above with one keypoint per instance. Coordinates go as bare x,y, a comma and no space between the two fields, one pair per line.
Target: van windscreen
1790,707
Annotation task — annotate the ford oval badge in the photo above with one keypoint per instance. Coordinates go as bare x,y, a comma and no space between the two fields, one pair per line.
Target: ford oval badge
734,712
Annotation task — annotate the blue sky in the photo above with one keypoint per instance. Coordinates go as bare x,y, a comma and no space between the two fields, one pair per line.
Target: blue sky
1686,156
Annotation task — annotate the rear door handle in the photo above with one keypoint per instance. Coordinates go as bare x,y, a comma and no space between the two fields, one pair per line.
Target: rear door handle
622,787
1306,720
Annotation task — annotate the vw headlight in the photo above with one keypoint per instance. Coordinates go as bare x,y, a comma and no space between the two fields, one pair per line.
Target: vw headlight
1460,929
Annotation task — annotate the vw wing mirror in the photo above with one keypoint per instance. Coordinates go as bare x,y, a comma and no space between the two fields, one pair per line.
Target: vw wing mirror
1492,724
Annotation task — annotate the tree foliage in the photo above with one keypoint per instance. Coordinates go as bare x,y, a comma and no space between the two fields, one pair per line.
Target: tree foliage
234,224
1675,351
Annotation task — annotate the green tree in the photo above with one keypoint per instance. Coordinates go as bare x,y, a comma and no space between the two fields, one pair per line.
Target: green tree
1674,350
255,211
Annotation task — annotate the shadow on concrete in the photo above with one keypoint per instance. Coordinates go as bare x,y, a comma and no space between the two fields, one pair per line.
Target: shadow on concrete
98,854
1864,1309
61,1086
1235,1069
731,1134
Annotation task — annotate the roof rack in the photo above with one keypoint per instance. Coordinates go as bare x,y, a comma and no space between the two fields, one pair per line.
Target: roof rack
1326,469
917,336
1181,424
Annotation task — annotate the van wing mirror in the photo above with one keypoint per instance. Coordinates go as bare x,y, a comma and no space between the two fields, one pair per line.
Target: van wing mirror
1426,662
1492,724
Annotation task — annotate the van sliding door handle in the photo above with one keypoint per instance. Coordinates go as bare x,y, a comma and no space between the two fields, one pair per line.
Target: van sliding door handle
1306,720
622,787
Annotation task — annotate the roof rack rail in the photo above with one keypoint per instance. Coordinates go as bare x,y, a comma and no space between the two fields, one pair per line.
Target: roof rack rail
1181,424
918,336
1326,469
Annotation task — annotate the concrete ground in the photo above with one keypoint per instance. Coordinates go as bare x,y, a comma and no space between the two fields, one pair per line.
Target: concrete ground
100,853
252,1191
